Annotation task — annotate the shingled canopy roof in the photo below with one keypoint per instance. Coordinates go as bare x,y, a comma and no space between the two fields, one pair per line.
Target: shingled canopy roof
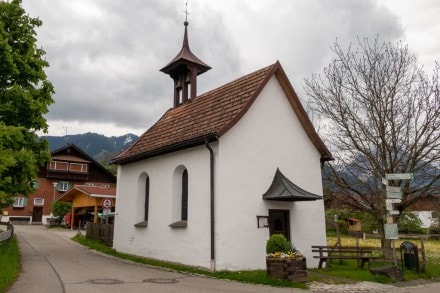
285,190
207,117
92,191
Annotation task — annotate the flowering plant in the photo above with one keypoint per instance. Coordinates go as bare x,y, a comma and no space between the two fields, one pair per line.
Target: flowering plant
279,247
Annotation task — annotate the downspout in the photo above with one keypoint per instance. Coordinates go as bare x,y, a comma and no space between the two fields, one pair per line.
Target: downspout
211,157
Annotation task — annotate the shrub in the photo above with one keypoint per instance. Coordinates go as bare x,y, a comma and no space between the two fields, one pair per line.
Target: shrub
279,243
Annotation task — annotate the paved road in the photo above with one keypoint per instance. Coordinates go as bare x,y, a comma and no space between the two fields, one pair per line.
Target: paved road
51,262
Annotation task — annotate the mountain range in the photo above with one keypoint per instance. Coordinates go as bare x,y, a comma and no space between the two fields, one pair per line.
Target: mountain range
99,147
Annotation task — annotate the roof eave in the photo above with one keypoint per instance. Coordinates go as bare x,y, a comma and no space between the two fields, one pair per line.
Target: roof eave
167,149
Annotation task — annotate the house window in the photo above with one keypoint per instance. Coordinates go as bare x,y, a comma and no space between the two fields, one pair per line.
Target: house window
35,184
184,209
60,166
38,201
64,186
76,167
20,202
90,184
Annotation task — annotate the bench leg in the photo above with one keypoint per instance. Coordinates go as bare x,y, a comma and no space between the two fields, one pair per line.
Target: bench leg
321,260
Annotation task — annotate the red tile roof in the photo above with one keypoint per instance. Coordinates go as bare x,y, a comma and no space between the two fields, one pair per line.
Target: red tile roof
210,115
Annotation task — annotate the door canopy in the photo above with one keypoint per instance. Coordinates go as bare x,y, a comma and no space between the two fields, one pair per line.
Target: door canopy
283,189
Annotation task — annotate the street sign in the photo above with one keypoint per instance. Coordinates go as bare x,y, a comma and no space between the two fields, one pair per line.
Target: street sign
391,231
107,203
105,212
389,204
393,200
392,212
400,176
393,192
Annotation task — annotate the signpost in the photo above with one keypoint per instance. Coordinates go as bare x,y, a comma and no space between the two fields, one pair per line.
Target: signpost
107,204
394,195
394,192
401,176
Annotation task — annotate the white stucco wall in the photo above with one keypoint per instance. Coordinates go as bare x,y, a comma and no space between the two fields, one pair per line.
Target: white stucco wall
158,240
246,158
267,137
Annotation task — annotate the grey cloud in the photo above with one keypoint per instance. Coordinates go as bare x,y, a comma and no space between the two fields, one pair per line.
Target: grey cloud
105,55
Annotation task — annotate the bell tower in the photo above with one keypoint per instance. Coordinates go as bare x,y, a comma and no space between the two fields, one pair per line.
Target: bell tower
184,69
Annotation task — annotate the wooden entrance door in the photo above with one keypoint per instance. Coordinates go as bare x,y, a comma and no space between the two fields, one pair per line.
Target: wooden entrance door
279,222
37,214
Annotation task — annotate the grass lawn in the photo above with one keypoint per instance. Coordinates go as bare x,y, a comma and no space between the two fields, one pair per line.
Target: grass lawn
9,263
253,277
338,272
347,269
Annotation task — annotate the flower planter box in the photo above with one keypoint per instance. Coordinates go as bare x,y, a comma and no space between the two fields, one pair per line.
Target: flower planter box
294,269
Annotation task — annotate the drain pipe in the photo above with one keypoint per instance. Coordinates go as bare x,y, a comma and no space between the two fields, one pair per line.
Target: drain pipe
211,157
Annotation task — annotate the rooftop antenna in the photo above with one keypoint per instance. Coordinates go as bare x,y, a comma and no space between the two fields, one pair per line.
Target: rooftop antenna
186,13
65,136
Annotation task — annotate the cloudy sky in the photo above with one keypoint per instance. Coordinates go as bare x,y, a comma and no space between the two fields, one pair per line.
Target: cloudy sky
105,55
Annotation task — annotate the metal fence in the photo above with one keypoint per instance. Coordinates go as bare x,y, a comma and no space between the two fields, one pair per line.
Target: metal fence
100,231
7,232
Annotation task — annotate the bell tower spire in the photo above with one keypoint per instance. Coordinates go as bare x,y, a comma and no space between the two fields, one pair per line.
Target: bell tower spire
184,69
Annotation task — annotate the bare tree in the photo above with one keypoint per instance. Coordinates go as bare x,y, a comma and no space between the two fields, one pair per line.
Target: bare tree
381,114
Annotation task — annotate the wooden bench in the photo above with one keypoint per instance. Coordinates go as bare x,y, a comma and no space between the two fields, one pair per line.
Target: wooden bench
361,254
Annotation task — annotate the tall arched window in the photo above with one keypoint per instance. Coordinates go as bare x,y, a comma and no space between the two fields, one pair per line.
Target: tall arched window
147,198
179,200
184,209
142,200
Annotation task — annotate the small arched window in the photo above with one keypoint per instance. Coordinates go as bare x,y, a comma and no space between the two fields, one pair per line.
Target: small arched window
147,198
179,198
184,210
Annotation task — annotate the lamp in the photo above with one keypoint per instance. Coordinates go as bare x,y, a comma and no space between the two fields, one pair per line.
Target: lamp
55,184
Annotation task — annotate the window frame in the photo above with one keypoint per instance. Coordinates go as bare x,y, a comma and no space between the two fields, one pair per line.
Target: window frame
19,202
36,201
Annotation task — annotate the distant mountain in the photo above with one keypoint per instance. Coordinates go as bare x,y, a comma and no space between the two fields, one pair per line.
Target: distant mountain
99,147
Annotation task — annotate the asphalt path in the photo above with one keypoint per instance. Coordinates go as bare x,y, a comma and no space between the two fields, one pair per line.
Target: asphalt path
51,262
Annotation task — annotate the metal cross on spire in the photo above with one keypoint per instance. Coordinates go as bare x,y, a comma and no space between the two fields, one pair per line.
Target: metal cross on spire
186,12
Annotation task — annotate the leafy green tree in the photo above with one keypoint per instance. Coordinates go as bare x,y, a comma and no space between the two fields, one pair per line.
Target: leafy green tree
60,209
410,223
25,95
380,114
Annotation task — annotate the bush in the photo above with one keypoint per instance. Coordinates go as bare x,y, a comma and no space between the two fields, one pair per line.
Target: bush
410,223
60,209
279,243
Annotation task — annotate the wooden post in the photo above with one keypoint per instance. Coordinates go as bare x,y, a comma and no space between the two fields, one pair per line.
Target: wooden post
95,213
424,266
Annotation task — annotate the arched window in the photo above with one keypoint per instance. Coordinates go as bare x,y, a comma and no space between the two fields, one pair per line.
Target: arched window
147,198
184,209
142,200
179,202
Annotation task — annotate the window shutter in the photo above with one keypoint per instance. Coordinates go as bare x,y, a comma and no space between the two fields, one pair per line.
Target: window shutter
69,185
25,200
